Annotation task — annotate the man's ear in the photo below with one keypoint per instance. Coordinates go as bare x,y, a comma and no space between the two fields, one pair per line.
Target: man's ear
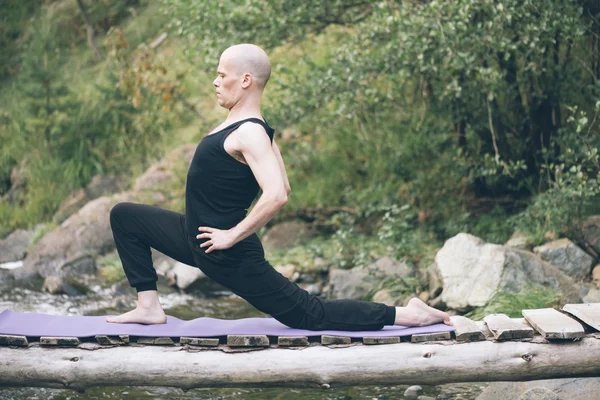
246,80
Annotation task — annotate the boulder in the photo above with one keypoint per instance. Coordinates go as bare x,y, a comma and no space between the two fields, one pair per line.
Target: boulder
519,240
71,248
473,272
14,246
591,232
567,256
356,283
384,296
596,276
566,388
287,234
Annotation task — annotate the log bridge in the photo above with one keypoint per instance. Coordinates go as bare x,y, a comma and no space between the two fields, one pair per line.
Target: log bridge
545,343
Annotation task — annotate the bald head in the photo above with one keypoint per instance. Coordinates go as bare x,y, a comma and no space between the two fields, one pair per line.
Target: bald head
249,58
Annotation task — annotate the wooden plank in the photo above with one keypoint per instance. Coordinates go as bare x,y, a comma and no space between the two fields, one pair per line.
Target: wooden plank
587,312
327,339
292,341
553,324
381,340
59,341
504,328
466,329
247,340
12,340
430,337
199,341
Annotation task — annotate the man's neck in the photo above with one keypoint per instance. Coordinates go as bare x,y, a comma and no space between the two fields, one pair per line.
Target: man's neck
244,109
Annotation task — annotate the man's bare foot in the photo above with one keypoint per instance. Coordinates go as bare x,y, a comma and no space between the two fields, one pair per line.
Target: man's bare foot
141,316
417,313
148,311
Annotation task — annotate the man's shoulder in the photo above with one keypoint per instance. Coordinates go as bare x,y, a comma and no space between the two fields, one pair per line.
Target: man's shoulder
253,132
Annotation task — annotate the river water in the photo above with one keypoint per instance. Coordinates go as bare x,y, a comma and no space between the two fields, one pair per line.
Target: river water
186,306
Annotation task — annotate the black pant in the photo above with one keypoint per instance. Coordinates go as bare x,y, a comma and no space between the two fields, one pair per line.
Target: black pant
242,269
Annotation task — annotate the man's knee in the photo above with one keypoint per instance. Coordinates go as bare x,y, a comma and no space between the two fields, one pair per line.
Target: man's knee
118,211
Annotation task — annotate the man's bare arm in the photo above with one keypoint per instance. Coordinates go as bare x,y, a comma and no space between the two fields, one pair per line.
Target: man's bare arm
288,189
255,146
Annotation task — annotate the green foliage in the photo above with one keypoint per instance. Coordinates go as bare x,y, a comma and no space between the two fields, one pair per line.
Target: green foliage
511,304
110,268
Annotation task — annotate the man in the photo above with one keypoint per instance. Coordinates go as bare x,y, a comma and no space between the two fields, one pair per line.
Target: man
216,235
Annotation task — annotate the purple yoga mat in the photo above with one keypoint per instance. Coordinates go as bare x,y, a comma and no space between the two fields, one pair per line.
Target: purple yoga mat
37,324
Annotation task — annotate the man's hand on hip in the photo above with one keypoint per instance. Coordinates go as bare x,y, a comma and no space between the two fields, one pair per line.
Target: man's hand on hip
218,239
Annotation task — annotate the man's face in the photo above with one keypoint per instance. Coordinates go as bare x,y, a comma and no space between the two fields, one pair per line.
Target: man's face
227,83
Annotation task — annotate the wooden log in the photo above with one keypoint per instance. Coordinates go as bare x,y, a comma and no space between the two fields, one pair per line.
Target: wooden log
430,337
12,340
553,324
466,329
504,328
247,340
393,364
587,312
292,341
328,339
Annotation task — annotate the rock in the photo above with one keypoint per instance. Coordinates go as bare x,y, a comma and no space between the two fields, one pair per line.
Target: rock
567,256
384,296
14,246
473,272
413,392
519,240
596,276
425,398
163,172
287,234
313,289
358,282
591,232
539,393
593,296
566,388
424,296
435,280
286,270
60,285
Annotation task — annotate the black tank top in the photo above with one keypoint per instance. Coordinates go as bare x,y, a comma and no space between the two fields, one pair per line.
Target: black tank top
219,189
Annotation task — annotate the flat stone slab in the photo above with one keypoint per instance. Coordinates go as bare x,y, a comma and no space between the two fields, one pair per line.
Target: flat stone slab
327,339
553,324
12,340
155,341
213,342
292,341
504,328
430,337
59,341
587,312
247,340
381,340
466,329
109,340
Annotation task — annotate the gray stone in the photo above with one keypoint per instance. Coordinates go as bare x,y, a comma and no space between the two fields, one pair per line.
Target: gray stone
474,271
59,341
13,340
292,341
14,246
591,232
358,282
593,296
381,340
430,337
519,240
247,340
384,296
567,257
566,388
413,392
328,339
60,285
212,342
539,393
